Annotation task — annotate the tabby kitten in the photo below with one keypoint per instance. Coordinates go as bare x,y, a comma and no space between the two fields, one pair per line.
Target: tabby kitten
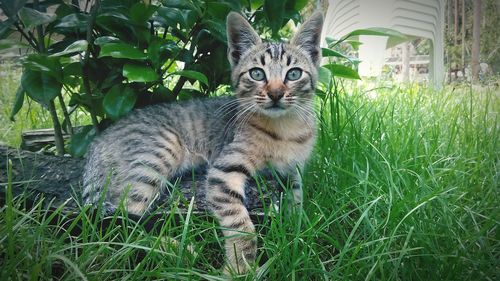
270,121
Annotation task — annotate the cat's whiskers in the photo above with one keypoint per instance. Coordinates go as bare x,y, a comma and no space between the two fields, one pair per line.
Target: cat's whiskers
241,115
229,107
302,114
234,119
246,119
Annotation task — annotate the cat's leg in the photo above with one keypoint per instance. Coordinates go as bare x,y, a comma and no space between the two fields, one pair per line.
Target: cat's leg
225,195
149,171
294,194
297,192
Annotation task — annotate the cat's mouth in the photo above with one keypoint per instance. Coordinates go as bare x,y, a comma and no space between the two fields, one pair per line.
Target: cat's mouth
275,107
275,110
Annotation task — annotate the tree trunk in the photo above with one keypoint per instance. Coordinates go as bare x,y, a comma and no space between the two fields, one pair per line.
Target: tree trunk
476,40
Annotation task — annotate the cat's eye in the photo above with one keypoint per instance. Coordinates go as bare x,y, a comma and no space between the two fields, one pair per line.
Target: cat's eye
293,74
257,74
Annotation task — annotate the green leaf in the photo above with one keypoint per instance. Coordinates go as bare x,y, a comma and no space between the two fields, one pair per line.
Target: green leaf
375,31
105,39
5,27
172,16
40,86
73,21
300,4
162,94
140,12
121,51
141,34
9,44
159,50
75,47
10,7
80,141
64,9
321,94
339,70
354,43
255,4
218,9
325,76
119,101
217,29
331,41
43,63
32,18
139,73
154,51
18,102
73,69
118,24
325,52
179,4
188,94
191,74
190,17
274,11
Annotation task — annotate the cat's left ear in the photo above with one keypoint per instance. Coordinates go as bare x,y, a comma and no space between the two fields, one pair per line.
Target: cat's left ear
309,36
240,37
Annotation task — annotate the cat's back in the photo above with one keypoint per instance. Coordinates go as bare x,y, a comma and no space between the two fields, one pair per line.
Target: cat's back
187,118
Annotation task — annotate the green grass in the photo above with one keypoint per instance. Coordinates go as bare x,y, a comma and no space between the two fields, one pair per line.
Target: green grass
403,185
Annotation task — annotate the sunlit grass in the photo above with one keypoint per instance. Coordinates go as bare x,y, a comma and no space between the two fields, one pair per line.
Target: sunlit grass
403,185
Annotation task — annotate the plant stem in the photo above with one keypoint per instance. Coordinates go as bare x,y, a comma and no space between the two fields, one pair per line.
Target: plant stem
182,80
69,127
57,128
85,65
52,108
178,87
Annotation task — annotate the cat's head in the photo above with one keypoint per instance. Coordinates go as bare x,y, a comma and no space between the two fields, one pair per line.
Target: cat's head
272,77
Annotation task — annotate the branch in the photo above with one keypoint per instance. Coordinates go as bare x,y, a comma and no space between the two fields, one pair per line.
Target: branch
178,87
28,38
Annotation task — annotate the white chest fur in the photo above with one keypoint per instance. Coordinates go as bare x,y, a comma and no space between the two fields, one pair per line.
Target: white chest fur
285,145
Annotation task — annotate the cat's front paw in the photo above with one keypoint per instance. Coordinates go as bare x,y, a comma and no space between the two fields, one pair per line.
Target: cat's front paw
237,271
241,254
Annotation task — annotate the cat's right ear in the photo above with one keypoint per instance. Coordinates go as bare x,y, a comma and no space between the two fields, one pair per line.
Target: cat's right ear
240,37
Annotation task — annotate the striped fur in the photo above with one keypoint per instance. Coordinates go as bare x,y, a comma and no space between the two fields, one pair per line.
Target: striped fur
268,121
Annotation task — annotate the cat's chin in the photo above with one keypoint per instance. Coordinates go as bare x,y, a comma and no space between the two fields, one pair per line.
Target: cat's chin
274,112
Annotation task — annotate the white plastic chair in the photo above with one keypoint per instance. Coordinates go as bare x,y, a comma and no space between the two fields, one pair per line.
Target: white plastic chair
423,18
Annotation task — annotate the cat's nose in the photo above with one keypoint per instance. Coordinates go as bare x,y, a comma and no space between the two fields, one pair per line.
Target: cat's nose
275,90
275,94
